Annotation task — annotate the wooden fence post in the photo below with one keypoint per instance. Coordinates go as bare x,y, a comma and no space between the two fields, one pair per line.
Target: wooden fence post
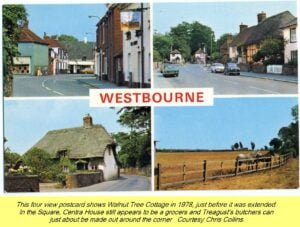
236,167
183,172
158,177
271,162
204,170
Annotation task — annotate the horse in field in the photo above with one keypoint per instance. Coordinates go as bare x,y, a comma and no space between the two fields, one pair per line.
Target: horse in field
266,158
248,159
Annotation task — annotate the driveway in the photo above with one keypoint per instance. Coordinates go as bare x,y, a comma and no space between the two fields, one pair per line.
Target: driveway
124,183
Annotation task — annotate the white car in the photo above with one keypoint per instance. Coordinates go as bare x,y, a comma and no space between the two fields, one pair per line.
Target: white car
217,68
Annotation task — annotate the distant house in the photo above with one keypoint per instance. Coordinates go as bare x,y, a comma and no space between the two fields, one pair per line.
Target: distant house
176,57
290,36
81,55
247,41
225,49
33,59
200,56
90,147
58,56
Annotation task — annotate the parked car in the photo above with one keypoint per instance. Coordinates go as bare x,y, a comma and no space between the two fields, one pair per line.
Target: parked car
87,71
170,70
217,68
231,69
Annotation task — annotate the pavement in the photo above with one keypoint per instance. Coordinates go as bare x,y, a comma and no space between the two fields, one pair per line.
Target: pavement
95,83
269,76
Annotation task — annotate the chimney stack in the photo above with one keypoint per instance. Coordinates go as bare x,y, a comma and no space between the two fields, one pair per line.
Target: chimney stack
261,16
243,27
87,121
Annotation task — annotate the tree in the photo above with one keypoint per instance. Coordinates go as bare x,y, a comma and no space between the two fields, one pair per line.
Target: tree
289,135
135,146
252,145
64,37
220,41
236,146
271,51
241,145
11,158
162,44
276,144
39,161
14,17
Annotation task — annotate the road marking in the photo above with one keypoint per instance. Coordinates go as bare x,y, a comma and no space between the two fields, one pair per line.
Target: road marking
269,91
56,92
49,89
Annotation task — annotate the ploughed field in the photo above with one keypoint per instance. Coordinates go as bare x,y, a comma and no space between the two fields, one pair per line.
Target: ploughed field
181,170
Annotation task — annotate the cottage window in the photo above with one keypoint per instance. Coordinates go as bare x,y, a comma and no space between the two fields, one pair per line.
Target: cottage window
293,35
294,55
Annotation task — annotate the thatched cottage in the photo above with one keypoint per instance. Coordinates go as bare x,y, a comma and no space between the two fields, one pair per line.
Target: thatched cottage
89,146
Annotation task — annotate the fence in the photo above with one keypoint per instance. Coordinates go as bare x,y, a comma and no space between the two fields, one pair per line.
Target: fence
168,176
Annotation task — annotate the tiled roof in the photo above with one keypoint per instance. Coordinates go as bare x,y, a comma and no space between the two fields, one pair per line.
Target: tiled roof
52,42
268,28
27,36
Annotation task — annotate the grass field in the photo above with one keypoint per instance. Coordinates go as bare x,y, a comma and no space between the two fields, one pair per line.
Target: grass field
283,177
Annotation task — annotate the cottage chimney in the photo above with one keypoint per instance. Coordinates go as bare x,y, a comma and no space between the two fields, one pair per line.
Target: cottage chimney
261,16
87,121
243,27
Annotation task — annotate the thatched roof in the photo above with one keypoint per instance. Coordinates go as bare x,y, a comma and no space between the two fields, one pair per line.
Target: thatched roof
80,142
290,23
175,51
268,28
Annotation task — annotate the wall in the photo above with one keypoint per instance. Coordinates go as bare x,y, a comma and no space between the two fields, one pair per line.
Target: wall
132,65
110,167
288,46
84,179
38,54
21,184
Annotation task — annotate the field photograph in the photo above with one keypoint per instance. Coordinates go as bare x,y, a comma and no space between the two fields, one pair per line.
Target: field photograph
240,143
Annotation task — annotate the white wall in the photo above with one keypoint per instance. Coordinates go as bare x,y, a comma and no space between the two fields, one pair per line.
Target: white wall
288,46
110,167
132,53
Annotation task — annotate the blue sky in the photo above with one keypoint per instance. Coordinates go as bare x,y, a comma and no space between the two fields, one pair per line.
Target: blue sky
27,121
222,17
221,125
70,19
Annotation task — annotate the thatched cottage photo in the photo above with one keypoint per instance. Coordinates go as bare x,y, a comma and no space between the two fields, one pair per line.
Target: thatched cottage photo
89,146
64,145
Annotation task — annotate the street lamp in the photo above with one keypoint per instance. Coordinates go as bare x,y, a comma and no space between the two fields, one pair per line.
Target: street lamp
91,16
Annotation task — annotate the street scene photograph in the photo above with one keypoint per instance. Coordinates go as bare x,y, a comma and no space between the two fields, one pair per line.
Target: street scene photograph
67,49
76,148
241,143
238,48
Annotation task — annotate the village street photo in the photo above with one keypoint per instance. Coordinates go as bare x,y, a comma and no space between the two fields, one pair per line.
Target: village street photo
237,48
47,51
240,143
76,148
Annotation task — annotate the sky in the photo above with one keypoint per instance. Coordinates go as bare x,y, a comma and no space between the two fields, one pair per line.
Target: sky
27,121
220,126
70,19
222,17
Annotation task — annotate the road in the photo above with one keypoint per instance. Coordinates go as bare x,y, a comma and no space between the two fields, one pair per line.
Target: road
124,183
195,76
59,85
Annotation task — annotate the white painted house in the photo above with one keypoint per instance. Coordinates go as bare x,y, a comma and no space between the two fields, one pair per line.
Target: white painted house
176,57
136,43
290,36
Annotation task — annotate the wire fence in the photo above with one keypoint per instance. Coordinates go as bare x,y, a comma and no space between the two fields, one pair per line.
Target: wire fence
203,170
